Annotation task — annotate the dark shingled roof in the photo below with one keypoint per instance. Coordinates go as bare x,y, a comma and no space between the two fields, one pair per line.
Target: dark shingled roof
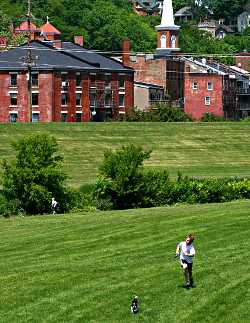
94,58
45,58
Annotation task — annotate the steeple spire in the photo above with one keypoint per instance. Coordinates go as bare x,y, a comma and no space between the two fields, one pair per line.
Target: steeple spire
168,32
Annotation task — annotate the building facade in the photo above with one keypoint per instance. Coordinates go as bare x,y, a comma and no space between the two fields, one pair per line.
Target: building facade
64,82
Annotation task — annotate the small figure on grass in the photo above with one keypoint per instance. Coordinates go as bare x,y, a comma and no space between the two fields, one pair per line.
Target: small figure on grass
135,305
185,251
54,205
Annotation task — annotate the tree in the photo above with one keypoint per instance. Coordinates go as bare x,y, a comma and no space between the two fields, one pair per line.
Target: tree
121,177
36,175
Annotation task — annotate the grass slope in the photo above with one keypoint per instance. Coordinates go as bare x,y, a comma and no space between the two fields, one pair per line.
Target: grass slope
87,267
198,149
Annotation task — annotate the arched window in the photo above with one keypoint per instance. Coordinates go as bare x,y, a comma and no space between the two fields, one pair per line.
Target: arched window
163,41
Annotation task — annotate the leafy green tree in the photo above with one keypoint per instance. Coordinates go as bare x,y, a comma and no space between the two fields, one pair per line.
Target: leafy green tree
36,175
121,177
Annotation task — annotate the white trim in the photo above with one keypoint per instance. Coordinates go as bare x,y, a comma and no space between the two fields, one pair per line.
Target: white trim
35,91
35,111
64,111
122,112
14,112
78,111
122,92
64,73
14,92
78,92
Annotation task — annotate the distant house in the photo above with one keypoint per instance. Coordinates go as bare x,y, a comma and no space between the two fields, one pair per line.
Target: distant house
216,28
183,14
147,7
243,21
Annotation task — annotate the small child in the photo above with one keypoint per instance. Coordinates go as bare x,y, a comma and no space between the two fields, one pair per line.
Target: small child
54,205
135,305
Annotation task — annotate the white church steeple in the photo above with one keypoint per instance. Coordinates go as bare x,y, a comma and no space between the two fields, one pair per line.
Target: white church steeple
167,31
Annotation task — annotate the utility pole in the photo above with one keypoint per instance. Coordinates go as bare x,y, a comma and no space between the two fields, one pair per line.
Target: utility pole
29,61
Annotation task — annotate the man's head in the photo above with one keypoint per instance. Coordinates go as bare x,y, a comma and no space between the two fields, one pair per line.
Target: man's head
189,239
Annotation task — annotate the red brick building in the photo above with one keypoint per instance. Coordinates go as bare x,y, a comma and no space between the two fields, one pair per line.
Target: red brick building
66,83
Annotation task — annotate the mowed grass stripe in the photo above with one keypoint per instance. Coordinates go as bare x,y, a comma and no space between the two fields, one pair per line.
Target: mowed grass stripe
196,149
86,267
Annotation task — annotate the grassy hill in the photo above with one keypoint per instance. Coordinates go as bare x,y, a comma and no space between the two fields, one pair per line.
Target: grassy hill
87,267
197,149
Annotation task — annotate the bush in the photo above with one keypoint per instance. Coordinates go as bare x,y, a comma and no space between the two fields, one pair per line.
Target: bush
159,113
121,177
36,176
210,117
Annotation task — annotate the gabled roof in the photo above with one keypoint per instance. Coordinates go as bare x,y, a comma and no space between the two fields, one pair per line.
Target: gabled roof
45,58
24,26
184,11
93,58
48,28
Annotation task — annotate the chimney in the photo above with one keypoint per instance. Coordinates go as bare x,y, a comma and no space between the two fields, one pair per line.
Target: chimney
57,44
79,40
3,42
126,52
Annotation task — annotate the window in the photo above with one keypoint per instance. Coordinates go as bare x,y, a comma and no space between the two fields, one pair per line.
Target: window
35,117
92,99
64,77
195,86
64,116
13,117
121,100
210,86
13,79
13,98
207,100
107,99
78,79
78,99
78,117
34,79
64,98
121,82
92,80
107,81
35,98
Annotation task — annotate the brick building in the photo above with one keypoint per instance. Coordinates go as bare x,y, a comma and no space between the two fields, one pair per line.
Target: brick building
67,83
197,86
147,7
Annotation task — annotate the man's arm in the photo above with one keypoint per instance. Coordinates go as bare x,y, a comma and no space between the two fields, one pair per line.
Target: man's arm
191,253
177,252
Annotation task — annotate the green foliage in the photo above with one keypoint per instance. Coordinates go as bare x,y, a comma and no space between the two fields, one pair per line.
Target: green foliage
121,177
210,117
36,176
160,113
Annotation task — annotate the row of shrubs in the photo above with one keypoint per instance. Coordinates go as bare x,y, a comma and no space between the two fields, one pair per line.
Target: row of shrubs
156,189
163,113
30,182
124,184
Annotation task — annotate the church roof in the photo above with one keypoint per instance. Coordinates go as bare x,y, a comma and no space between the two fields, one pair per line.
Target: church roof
24,26
48,28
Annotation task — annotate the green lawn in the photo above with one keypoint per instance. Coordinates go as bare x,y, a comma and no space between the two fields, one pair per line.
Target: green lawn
199,149
87,267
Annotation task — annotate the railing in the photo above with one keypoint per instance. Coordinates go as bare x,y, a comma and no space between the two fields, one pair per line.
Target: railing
170,103
244,91
243,106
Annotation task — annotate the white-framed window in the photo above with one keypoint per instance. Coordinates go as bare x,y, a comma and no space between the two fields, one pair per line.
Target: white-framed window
35,116
207,100
78,79
35,98
121,99
195,85
121,82
64,98
13,79
210,86
107,99
34,79
13,115
13,98
64,115
78,99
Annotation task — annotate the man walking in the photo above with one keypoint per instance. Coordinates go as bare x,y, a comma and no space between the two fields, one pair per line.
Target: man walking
53,205
185,250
